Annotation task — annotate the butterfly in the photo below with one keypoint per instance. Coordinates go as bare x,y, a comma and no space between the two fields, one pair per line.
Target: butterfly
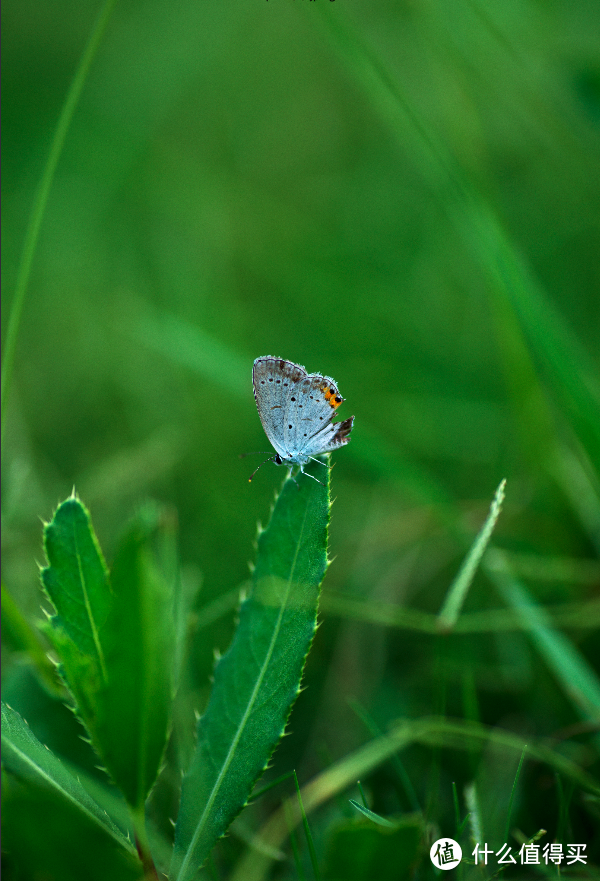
296,409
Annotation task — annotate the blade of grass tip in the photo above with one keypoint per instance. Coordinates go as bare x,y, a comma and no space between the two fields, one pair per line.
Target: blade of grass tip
307,832
376,818
458,589
577,678
41,200
462,825
512,794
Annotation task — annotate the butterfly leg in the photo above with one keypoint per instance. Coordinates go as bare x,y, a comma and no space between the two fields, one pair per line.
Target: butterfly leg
306,474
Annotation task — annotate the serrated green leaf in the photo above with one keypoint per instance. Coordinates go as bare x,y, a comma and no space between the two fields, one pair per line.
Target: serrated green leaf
25,756
258,679
76,580
115,643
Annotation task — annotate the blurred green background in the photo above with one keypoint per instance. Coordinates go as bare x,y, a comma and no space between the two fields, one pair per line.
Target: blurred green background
402,195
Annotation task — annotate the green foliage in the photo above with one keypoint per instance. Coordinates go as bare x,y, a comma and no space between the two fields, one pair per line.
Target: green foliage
402,197
120,636
257,679
115,638
24,756
77,583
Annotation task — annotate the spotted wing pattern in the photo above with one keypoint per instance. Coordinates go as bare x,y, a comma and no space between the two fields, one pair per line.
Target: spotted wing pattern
296,409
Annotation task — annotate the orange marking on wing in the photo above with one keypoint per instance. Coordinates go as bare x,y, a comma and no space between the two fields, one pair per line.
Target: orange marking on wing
331,396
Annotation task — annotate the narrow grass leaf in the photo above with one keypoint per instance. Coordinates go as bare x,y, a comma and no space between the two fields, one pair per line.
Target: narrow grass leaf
41,199
371,815
569,372
512,794
578,680
307,832
581,616
295,848
258,678
271,785
433,731
457,592
25,756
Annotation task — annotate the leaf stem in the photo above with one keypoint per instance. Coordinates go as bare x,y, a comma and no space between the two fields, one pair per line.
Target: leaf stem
142,845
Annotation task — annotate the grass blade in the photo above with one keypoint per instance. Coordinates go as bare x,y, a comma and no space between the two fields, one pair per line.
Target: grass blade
371,815
307,832
41,200
458,589
512,794
575,675
432,731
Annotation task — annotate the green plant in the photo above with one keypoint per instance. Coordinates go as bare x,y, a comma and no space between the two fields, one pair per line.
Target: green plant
404,195
119,637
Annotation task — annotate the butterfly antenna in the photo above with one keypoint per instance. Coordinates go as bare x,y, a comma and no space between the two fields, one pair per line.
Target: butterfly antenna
270,459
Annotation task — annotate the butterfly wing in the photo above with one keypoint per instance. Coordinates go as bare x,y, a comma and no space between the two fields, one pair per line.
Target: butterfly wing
274,381
317,399
296,409
334,435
